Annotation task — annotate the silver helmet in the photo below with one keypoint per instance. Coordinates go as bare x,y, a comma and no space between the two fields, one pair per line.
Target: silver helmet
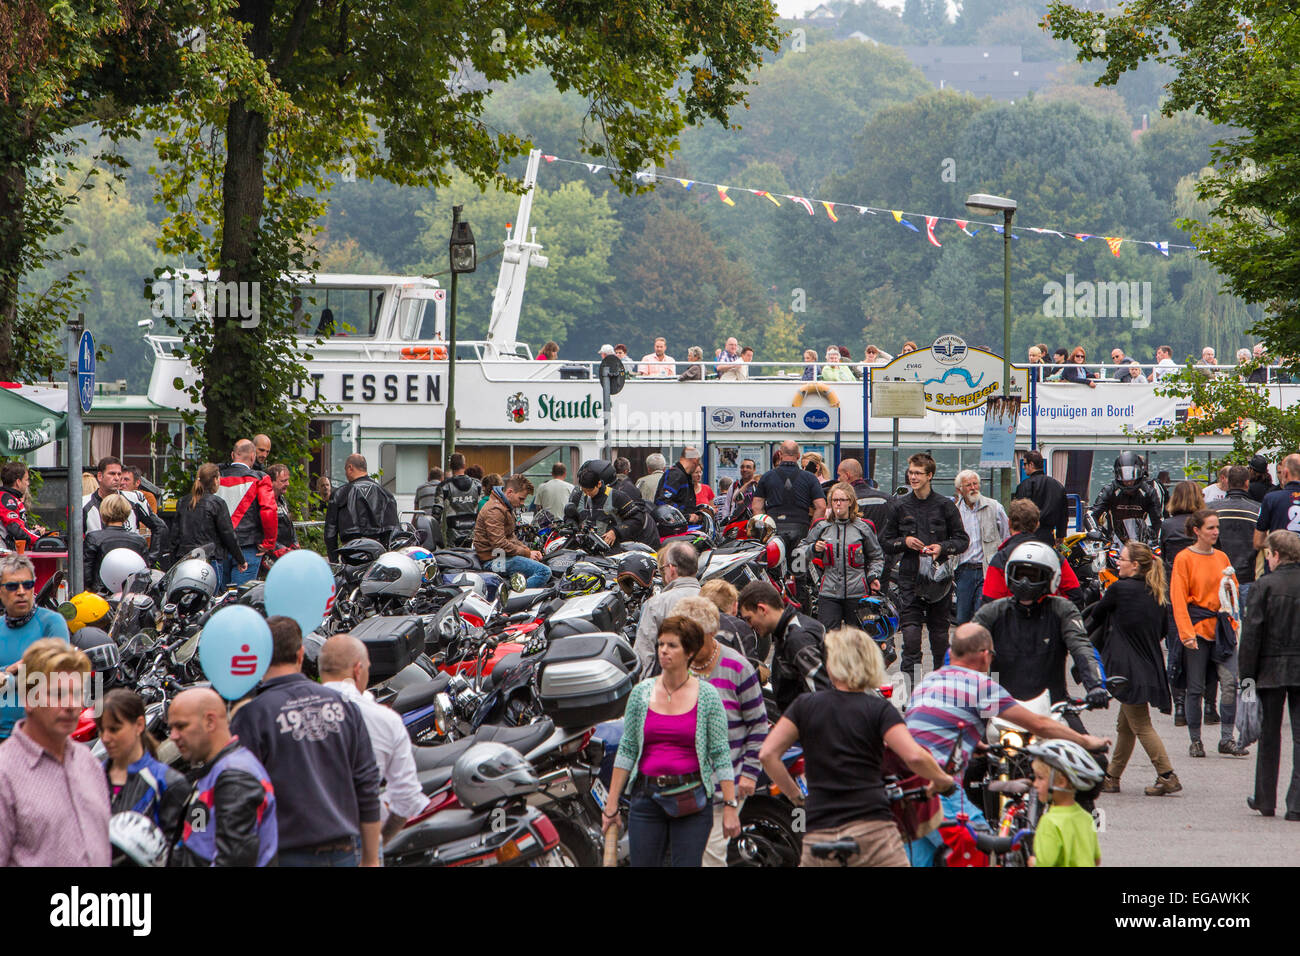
190,585
137,839
392,575
489,772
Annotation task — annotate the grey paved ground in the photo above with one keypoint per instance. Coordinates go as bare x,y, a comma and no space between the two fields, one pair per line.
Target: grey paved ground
1208,823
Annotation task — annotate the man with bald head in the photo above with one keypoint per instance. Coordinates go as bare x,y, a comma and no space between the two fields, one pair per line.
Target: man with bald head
344,666
230,818
261,450
792,496
250,498
1276,512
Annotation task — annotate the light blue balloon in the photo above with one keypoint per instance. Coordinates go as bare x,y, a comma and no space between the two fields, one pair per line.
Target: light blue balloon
301,586
235,650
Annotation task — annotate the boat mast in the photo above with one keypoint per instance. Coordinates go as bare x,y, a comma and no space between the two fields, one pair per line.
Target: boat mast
518,256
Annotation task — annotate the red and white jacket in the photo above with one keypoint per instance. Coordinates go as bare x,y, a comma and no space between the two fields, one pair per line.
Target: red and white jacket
248,495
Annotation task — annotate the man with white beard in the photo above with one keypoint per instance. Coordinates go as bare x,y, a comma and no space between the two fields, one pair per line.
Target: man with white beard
986,525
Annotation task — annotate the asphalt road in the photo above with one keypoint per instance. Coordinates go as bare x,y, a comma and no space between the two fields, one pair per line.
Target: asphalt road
1208,822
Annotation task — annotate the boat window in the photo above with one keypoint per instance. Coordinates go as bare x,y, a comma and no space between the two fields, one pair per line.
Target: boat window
337,313
411,319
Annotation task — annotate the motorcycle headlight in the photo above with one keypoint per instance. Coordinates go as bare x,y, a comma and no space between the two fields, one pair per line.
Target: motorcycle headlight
1012,739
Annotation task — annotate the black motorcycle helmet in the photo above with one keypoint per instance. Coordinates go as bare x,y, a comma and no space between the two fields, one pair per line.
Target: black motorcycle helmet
360,551
99,647
636,571
1130,469
670,520
1259,465
595,471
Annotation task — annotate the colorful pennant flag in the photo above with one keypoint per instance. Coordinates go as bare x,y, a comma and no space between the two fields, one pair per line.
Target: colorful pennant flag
898,218
962,224
549,159
594,167
688,183
830,211
1083,236
929,231
1114,242
766,195
1161,247
803,202
722,194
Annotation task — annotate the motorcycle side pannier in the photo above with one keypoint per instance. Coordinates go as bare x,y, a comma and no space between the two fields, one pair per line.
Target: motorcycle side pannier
393,643
456,559
587,614
586,679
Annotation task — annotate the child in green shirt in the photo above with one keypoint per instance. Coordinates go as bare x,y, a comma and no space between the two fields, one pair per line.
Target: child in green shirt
1066,834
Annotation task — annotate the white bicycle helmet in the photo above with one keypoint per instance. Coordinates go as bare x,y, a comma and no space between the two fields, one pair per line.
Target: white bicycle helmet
489,772
392,575
117,566
1069,758
1033,571
137,839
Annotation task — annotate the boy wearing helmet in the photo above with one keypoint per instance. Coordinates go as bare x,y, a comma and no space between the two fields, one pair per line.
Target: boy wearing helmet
628,516
1034,629
1066,834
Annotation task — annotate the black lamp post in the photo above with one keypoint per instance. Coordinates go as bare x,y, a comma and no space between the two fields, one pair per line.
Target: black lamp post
986,205
464,258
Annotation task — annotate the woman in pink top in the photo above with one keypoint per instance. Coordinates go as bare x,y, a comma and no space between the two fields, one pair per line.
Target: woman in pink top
674,749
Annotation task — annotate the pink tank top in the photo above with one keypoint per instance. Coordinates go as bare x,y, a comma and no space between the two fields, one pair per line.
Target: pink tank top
668,744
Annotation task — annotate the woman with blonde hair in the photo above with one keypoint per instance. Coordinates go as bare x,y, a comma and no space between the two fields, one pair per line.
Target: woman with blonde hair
1132,616
851,556
113,512
844,732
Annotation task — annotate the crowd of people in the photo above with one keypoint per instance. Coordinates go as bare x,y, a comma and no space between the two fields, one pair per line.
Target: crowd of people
733,362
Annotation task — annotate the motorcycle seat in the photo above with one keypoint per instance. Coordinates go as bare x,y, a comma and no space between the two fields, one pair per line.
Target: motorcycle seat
454,823
991,843
1015,788
523,600
847,849
522,739
415,696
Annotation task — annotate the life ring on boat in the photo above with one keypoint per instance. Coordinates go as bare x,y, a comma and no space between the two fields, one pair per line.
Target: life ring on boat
417,352
816,388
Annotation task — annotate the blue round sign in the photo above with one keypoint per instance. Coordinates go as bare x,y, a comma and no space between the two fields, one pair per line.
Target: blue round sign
86,370
816,418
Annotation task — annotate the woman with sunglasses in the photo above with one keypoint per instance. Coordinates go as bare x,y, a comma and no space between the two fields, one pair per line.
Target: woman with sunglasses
1076,371
24,624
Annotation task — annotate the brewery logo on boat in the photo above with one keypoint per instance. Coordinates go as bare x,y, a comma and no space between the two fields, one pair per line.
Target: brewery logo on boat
517,407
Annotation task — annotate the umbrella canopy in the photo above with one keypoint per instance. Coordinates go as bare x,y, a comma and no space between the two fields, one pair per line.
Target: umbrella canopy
31,417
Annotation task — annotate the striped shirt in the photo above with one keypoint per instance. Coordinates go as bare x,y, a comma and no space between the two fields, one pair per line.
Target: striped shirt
742,701
953,702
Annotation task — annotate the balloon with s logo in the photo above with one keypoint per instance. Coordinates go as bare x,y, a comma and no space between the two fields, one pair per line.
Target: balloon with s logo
301,586
235,650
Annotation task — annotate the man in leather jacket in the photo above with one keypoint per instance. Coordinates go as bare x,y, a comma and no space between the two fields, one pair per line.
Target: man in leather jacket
675,486
626,514
13,512
458,494
362,508
1034,630
230,819
797,657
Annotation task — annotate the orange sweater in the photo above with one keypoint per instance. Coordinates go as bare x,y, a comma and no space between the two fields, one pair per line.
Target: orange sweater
1196,580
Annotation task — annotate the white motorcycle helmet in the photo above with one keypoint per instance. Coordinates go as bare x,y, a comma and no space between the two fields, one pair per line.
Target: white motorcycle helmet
489,772
1033,571
117,566
190,585
136,840
392,575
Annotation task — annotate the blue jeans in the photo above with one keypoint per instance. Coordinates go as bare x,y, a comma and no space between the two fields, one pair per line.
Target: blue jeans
538,574
923,851
969,584
306,856
650,831
235,576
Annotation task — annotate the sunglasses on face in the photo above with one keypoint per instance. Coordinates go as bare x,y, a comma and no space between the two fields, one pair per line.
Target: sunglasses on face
12,586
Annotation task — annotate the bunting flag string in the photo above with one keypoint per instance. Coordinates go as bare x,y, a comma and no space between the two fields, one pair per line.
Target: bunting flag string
902,217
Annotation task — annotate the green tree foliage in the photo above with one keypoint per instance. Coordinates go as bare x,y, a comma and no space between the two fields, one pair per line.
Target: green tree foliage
578,230
1234,64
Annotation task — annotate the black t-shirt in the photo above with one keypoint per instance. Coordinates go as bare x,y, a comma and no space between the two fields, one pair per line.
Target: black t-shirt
788,492
843,738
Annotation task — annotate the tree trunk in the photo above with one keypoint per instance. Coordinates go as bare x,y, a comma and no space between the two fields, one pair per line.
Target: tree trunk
232,396
13,190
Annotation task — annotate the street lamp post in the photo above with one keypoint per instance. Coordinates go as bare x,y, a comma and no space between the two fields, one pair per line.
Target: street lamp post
986,205
464,258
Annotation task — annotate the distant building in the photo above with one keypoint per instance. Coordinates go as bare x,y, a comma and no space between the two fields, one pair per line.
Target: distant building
822,13
993,71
